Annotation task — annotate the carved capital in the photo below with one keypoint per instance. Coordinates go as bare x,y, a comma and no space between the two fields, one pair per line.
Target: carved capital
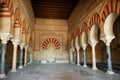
93,43
22,45
5,37
16,42
84,46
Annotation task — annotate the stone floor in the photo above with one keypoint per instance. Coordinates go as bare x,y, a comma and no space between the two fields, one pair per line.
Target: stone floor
59,72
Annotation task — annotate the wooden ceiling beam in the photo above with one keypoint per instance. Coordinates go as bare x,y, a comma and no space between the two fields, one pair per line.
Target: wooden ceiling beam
53,8
49,8
52,17
41,13
57,1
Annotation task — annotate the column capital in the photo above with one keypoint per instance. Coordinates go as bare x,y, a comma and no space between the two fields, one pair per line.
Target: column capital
107,42
77,47
5,37
26,46
73,48
22,45
93,43
16,42
84,46
107,39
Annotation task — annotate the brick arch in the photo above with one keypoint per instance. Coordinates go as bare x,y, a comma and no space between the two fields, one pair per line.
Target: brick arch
17,14
94,20
78,32
84,38
84,27
30,41
109,7
17,17
72,35
24,25
6,7
51,40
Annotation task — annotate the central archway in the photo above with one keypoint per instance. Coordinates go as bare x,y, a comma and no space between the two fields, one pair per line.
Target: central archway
49,46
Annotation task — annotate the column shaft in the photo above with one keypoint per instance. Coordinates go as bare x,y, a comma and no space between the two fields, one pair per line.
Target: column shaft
71,57
78,57
25,57
21,58
93,58
2,68
84,55
74,57
14,62
109,63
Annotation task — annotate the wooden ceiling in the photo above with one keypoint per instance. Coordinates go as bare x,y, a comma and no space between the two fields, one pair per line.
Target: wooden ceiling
53,9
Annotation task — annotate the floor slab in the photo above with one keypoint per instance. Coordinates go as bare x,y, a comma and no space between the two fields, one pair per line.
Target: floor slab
59,72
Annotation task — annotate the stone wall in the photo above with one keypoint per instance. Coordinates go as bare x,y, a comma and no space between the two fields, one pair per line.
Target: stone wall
51,29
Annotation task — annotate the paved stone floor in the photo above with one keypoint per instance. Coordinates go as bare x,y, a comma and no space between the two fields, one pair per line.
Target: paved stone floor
59,72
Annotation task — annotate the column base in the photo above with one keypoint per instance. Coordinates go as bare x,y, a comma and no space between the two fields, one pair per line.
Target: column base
73,63
84,65
13,70
3,76
25,65
29,63
94,68
70,63
110,72
20,67
78,64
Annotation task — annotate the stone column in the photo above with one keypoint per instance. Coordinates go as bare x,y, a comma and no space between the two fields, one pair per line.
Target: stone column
28,58
78,55
71,56
84,55
3,52
25,57
14,62
31,55
93,44
21,55
74,55
109,62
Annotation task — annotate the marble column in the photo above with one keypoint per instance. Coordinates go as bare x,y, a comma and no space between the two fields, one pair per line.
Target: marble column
71,56
3,53
25,57
28,58
84,55
14,62
30,55
109,62
78,55
93,44
21,56
74,55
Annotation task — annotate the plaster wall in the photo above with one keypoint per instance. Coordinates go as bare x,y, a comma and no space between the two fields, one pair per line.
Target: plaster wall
5,25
